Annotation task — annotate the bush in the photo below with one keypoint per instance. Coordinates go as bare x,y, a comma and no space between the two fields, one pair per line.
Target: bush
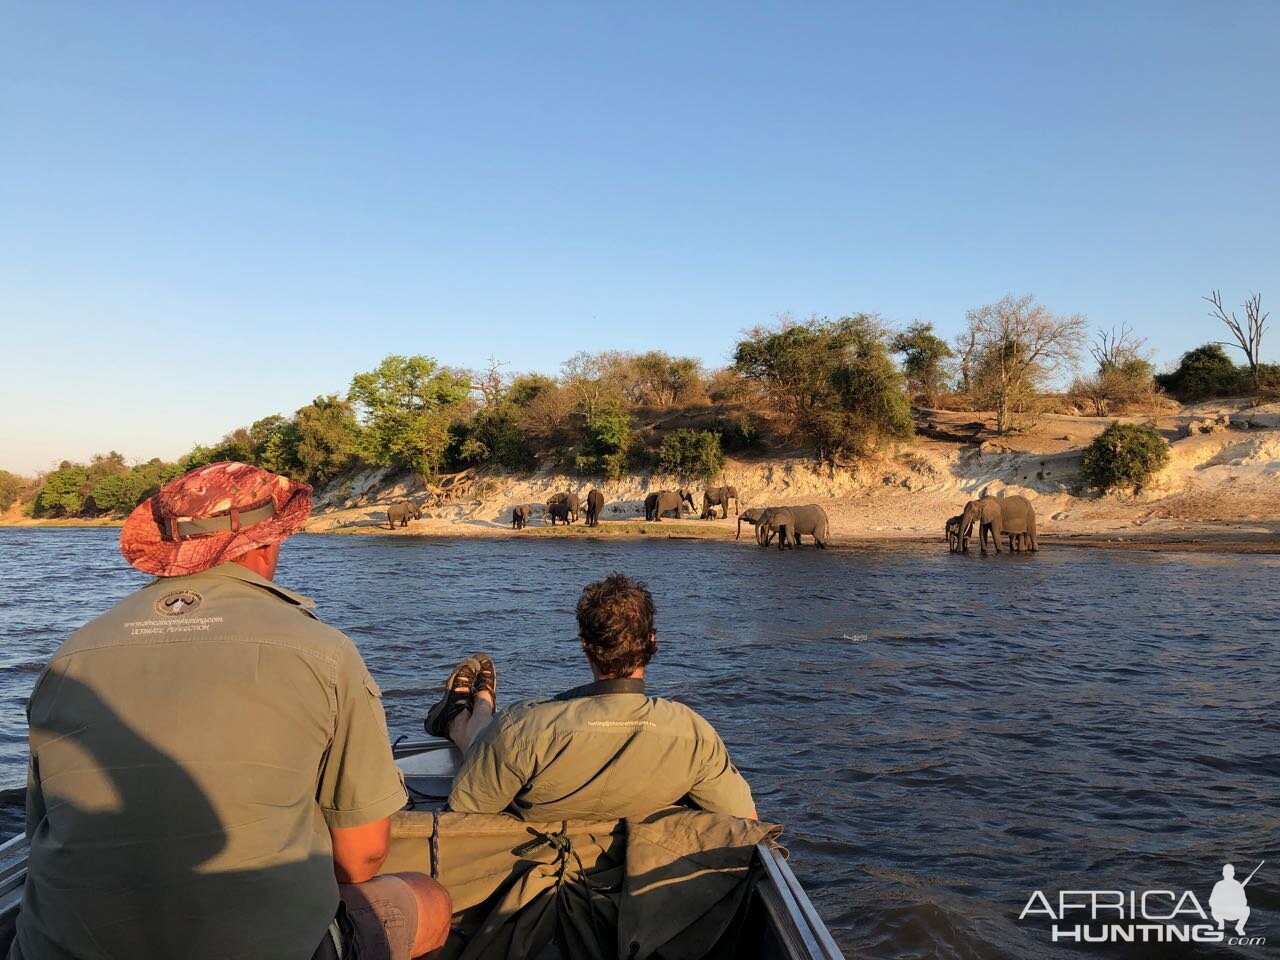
1204,373
1124,455
691,454
605,440
11,486
737,433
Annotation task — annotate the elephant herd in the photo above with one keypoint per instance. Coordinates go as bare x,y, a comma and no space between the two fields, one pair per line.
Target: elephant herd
1011,516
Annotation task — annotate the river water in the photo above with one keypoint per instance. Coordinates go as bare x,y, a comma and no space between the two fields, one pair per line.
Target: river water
941,735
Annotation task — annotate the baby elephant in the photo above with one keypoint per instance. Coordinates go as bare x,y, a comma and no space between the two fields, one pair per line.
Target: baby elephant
519,516
953,534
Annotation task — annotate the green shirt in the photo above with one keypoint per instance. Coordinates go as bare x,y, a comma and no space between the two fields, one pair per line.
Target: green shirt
190,749
601,751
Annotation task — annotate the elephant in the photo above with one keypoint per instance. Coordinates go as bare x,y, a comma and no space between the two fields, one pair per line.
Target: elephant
595,503
790,522
952,531
1017,542
557,510
570,498
664,501
402,512
520,516
752,517
718,497
999,516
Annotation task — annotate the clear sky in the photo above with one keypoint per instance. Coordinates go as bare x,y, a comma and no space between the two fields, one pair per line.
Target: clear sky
214,212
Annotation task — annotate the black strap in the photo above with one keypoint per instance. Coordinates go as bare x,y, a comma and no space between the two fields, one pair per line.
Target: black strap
603,688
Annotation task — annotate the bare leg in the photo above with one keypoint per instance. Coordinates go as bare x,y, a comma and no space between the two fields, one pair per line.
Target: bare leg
469,724
435,911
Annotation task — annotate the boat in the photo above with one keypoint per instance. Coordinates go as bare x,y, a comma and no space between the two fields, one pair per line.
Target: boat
778,922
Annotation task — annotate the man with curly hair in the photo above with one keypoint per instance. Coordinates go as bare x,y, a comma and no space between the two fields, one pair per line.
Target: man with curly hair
605,750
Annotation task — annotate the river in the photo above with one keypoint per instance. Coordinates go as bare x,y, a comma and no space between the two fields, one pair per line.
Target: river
941,735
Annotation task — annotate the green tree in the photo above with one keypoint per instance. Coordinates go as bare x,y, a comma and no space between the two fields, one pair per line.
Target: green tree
119,492
199,456
691,454
63,492
1124,455
262,432
1203,373
321,442
605,439
493,435
237,445
831,382
527,388
924,361
11,487
405,405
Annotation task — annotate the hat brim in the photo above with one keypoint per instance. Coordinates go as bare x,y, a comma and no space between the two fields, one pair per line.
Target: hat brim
143,543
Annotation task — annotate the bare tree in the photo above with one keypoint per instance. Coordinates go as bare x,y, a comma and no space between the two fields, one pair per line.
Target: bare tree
1124,373
966,345
1116,348
1020,345
491,383
1248,334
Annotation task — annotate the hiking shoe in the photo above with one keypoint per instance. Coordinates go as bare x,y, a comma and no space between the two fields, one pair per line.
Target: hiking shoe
458,690
487,678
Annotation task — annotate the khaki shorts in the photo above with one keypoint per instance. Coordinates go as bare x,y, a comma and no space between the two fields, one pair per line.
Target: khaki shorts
377,920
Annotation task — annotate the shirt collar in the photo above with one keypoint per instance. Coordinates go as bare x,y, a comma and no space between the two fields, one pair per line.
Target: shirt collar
601,688
238,572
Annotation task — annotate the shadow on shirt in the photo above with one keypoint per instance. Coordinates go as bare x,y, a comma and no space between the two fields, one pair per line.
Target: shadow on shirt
123,841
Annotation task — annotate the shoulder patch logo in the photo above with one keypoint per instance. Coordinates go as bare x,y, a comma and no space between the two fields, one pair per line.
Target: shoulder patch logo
178,602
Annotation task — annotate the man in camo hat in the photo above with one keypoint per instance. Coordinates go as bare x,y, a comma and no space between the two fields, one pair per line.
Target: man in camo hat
210,769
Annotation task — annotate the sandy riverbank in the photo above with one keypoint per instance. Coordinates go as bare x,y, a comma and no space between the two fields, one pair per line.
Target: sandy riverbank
1219,493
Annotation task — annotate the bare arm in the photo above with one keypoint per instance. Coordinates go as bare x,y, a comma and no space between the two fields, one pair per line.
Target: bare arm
358,852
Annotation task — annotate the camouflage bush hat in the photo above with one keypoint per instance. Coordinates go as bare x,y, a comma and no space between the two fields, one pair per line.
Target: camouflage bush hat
212,515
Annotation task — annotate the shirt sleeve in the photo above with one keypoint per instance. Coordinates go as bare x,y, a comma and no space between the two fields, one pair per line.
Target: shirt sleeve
720,788
359,781
494,771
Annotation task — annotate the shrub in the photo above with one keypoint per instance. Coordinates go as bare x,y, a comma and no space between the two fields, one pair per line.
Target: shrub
691,454
1124,455
605,439
737,433
1203,373
10,488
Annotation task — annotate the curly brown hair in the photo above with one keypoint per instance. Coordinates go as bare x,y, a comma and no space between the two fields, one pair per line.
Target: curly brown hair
615,624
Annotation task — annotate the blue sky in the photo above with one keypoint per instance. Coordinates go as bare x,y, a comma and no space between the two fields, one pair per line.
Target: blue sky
210,213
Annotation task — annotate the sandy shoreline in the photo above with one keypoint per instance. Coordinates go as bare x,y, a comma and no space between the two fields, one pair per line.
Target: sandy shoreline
1219,493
